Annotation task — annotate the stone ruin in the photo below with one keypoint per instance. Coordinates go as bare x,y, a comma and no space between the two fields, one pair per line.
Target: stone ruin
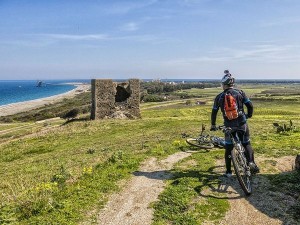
297,162
118,100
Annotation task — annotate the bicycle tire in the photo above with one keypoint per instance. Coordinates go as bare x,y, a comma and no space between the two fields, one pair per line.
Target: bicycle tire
240,168
195,142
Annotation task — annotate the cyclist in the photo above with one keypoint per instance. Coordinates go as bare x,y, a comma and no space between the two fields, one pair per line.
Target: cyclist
238,123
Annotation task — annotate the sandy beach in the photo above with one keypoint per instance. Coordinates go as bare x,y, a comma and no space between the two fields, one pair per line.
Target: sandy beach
14,108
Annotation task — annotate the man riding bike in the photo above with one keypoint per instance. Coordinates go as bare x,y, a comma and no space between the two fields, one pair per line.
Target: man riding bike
231,102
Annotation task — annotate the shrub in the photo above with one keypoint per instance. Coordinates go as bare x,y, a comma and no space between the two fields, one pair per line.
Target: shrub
116,157
71,114
188,102
61,177
86,109
7,120
284,128
153,98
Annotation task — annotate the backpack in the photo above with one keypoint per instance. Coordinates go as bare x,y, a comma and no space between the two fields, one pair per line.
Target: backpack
230,107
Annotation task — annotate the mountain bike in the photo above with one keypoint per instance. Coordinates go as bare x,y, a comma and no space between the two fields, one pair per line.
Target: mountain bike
206,141
240,164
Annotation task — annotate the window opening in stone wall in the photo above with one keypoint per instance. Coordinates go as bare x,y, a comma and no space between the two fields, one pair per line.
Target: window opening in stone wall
122,94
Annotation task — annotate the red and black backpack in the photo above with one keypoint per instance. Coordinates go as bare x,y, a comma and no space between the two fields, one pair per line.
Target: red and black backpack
230,106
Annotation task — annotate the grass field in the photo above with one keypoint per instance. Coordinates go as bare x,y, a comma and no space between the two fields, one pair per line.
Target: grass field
65,173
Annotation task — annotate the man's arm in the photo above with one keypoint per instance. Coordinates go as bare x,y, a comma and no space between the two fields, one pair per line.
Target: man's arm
214,113
248,104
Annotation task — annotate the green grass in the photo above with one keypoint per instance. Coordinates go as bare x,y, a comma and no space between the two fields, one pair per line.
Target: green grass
39,158
62,175
5,126
185,200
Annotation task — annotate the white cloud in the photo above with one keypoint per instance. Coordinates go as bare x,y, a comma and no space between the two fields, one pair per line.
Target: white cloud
266,53
85,37
192,2
127,6
83,40
281,22
132,26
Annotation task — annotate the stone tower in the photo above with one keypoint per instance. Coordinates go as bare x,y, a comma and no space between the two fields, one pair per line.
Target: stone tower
115,99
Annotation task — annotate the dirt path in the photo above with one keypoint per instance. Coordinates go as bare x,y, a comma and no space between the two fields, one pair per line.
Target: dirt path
131,206
264,206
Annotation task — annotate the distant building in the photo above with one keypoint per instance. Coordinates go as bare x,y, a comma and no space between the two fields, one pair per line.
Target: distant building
200,103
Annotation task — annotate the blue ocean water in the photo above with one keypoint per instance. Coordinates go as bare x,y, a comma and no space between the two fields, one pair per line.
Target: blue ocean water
25,90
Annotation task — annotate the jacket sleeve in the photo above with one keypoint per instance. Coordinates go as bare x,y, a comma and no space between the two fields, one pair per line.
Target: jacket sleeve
214,111
248,104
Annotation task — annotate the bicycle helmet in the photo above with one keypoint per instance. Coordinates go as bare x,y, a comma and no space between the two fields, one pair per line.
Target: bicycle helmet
227,79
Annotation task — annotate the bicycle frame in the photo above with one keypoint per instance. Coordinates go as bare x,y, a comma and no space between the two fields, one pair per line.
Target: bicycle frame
241,168
206,141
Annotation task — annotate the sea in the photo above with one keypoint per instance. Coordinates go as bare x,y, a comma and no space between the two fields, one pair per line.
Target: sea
13,91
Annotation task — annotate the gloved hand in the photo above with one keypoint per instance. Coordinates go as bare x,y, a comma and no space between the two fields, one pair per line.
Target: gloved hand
213,128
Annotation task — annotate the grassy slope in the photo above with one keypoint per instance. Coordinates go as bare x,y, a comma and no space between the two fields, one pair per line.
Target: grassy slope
59,176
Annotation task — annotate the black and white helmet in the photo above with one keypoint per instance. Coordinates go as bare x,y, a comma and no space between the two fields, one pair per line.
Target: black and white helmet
227,79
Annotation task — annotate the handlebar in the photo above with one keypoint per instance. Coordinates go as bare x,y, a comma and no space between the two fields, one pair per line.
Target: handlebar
223,128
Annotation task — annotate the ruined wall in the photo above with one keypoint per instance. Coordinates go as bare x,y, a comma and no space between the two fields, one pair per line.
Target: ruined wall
115,100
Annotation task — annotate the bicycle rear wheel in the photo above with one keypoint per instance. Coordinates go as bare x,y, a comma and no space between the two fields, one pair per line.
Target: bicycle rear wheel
198,143
241,169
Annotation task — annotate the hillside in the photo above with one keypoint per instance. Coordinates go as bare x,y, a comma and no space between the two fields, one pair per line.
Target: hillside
56,173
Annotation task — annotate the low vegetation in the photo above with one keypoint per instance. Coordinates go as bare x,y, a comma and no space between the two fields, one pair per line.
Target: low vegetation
72,114
82,102
64,174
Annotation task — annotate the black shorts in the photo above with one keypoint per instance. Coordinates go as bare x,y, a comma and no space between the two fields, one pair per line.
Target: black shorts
243,134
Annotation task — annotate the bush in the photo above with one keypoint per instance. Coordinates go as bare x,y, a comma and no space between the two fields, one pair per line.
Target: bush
188,102
86,109
7,120
71,114
284,127
153,98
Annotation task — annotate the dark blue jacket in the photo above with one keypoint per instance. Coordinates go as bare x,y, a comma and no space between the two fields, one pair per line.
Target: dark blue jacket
241,100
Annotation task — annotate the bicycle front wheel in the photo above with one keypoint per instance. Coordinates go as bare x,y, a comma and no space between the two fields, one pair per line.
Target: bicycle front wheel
241,169
197,143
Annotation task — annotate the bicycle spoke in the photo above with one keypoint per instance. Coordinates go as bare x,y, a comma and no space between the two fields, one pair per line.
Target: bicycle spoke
242,170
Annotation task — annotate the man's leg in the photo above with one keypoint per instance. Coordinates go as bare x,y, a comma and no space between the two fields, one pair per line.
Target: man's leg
249,153
228,149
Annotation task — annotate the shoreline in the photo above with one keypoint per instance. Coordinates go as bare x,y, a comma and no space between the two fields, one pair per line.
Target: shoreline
18,107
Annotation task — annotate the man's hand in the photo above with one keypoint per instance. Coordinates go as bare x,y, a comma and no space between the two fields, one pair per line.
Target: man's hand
247,116
213,128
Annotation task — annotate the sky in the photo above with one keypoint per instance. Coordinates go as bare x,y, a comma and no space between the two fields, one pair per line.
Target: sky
179,39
